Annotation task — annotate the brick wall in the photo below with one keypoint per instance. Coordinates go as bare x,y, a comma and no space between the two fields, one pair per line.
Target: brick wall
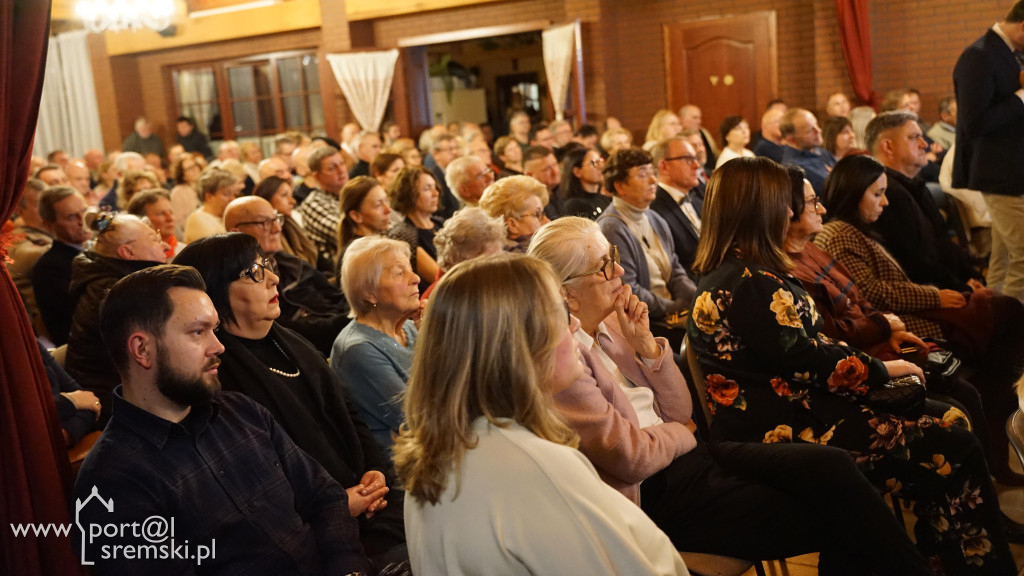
916,43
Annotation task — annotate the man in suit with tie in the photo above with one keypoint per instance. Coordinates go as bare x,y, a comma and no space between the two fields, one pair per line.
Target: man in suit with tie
675,201
990,141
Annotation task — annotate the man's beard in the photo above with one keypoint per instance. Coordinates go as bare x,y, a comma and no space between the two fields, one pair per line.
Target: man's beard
184,389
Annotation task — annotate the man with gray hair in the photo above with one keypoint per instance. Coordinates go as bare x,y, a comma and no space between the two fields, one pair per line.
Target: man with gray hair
911,227
367,145
990,141
468,176
143,140
124,163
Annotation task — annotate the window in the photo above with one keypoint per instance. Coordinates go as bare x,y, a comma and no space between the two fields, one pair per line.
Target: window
253,98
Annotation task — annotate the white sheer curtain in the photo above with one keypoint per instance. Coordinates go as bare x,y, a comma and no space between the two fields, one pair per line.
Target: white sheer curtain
558,55
365,80
197,91
69,117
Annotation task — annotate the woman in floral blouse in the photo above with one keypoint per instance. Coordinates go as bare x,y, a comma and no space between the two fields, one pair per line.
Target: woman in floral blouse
772,377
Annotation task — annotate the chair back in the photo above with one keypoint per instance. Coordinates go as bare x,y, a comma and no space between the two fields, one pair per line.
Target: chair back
1015,432
699,384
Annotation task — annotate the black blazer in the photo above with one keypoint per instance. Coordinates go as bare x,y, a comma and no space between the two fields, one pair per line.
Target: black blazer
683,234
990,119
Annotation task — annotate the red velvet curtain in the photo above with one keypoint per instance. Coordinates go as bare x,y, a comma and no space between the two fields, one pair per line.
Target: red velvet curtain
34,475
855,35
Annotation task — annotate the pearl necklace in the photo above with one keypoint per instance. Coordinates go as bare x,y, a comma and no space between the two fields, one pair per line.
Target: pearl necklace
295,374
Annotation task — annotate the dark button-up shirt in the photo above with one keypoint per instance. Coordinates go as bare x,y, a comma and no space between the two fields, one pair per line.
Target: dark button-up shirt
227,473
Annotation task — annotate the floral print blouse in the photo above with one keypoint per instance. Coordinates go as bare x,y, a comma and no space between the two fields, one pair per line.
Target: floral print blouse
770,373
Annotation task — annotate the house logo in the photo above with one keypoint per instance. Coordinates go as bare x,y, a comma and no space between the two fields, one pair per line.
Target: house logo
123,538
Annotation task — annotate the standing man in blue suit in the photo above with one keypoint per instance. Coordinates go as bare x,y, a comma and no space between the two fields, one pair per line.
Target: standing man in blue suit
990,141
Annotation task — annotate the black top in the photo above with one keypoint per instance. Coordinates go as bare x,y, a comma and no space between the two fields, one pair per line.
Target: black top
228,473
587,206
51,281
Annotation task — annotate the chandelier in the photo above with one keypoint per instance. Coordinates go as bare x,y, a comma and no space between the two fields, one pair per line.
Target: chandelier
114,15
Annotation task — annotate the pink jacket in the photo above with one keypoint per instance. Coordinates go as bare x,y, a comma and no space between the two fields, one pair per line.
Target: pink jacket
610,436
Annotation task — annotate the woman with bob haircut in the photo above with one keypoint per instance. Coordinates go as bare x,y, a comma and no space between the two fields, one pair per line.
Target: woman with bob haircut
519,201
773,377
415,195
735,137
372,355
494,483
633,416
282,371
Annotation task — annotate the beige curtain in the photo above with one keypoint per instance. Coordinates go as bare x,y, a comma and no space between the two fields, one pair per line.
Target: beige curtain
365,80
559,43
69,117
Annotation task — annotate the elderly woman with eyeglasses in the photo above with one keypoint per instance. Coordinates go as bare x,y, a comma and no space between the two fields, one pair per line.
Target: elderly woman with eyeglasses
124,244
288,376
632,413
519,201
372,355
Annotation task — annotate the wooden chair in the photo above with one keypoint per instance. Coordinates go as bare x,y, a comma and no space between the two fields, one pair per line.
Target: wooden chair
1015,432
77,453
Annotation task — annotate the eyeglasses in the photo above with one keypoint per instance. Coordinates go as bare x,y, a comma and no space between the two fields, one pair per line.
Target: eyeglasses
265,224
688,158
154,237
568,313
814,202
484,173
607,268
596,162
257,272
538,214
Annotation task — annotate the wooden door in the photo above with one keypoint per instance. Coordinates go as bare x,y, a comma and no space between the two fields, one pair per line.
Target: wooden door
726,66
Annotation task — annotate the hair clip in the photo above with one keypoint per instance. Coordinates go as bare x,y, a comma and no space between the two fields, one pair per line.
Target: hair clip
103,220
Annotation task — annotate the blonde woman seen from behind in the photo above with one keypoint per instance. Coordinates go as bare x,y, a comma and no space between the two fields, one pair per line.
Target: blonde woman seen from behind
494,482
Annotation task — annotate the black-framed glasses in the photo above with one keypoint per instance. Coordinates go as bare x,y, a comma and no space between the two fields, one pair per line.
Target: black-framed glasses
265,224
257,272
814,203
688,158
607,268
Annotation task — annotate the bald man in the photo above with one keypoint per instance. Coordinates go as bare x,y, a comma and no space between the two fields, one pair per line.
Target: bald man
274,166
771,145
310,305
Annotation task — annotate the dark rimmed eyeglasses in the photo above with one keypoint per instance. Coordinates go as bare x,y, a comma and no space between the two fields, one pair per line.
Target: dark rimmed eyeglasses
607,268
814,203
265,224
688,158
257,272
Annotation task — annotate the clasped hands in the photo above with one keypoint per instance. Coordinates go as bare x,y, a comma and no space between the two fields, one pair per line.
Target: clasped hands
368,496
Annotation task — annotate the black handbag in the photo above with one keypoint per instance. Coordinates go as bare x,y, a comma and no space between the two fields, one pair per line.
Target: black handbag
903,397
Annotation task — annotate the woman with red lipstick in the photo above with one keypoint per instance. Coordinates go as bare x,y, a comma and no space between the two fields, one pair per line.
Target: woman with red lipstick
372,355
287,375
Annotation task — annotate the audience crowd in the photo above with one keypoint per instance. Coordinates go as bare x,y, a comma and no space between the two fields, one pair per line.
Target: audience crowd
322,359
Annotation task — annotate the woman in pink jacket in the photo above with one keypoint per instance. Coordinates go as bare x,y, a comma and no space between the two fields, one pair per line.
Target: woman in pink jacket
632,412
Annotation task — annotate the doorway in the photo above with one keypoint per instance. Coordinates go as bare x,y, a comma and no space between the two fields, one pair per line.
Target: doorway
727,66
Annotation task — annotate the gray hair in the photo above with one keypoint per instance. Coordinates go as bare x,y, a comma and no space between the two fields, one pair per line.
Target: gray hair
317,157
121,161
883,123
213,180
455,174
362,266
466,235
562,244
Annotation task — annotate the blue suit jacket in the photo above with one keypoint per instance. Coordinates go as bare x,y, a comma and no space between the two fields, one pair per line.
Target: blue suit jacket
990,119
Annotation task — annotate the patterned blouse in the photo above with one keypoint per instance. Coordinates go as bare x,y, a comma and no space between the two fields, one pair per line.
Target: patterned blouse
771,375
